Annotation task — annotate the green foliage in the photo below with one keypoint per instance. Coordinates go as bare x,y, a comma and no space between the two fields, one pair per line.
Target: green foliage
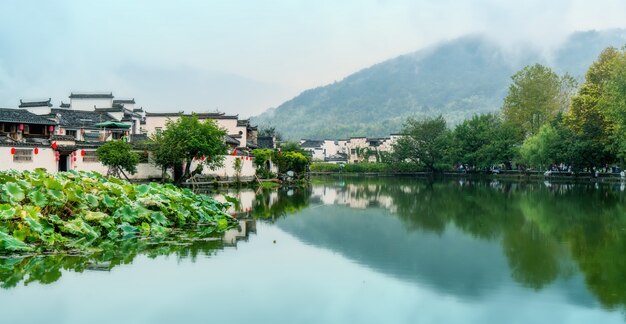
237,166
291,161
187,138
426,143
534,99
483,141
262,157
85,207
613,102
118,155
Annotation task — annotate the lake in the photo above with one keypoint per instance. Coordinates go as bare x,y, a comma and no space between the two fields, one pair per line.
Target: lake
355,250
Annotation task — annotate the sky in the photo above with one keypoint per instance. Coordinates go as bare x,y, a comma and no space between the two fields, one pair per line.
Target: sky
244,56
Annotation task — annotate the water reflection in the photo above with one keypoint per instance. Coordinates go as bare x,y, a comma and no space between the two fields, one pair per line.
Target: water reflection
185,244
473,235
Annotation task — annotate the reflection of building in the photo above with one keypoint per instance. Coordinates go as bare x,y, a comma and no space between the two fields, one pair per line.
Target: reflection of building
242,232
354,195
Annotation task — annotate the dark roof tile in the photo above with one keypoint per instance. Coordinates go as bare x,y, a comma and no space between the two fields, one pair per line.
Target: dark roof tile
9,115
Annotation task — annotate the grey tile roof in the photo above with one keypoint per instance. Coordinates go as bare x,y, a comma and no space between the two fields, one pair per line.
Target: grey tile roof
64,105
79,118
124,101
312,143
40,103
91,95
10,115
265,142
230,140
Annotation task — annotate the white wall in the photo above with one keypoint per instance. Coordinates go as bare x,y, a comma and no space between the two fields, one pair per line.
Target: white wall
89,103
228,170
44,110
45,159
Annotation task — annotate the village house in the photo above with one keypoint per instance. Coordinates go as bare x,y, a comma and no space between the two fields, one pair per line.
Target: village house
352,150
37,135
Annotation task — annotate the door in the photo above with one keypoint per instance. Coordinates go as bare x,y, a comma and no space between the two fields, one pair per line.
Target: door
63,162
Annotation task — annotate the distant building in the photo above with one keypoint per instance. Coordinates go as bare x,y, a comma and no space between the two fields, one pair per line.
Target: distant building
353,150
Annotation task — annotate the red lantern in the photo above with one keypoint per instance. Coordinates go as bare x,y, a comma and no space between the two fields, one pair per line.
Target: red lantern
74,159
20,126
36,150
13,150
58,158
54,145
51,128
203,158
82,152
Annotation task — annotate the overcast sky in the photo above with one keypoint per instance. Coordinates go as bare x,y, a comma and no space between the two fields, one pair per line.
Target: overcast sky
243,56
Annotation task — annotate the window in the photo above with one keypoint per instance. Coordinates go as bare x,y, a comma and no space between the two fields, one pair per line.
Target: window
352,151
90,157
158,130
23,155
70,133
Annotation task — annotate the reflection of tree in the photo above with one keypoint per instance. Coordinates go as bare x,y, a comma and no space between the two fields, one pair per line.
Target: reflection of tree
188,244
273,204
546,230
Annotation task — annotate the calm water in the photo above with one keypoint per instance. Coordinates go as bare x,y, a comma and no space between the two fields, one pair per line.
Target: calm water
355,251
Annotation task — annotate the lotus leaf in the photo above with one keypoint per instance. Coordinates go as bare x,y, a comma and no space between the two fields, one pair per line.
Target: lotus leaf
14,191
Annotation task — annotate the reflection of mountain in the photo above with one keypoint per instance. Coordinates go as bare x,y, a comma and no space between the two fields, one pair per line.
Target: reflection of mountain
450,262
466,238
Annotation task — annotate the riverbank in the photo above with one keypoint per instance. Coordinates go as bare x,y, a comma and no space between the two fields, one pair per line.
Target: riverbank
508,175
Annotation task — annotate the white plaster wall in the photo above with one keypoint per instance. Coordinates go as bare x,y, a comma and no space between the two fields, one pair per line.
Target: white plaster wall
45,159
331,148
154,122
44,110
228,171
230,125
88,104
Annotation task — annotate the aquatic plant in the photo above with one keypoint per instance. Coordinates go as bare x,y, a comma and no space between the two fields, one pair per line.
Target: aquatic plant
41,212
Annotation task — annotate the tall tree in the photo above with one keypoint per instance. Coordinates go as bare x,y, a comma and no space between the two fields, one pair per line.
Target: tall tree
591,121
612,103
185,139
426,142
535,97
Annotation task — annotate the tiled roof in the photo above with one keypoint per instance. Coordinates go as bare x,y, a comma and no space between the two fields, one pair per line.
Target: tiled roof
10,115
40,103
230,140
79,118
124,101
265,142
140,137
200,115
64,105
91,95
312,143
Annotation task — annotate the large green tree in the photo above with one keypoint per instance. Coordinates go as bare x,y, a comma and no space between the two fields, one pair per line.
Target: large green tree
612,103
591,121
483,141
186,139
536,95
425,142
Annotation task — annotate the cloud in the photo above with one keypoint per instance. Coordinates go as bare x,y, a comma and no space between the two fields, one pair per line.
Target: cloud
284,46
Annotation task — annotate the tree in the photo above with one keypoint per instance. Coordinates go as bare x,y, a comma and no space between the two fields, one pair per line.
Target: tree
535,97
118,156
186,139
425,142
612,103
591,121
291,161
483,141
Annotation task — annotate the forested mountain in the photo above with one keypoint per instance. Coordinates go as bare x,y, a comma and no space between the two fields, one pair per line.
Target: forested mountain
457,79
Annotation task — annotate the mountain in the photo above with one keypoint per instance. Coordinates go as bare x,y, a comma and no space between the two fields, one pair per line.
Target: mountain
457,79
